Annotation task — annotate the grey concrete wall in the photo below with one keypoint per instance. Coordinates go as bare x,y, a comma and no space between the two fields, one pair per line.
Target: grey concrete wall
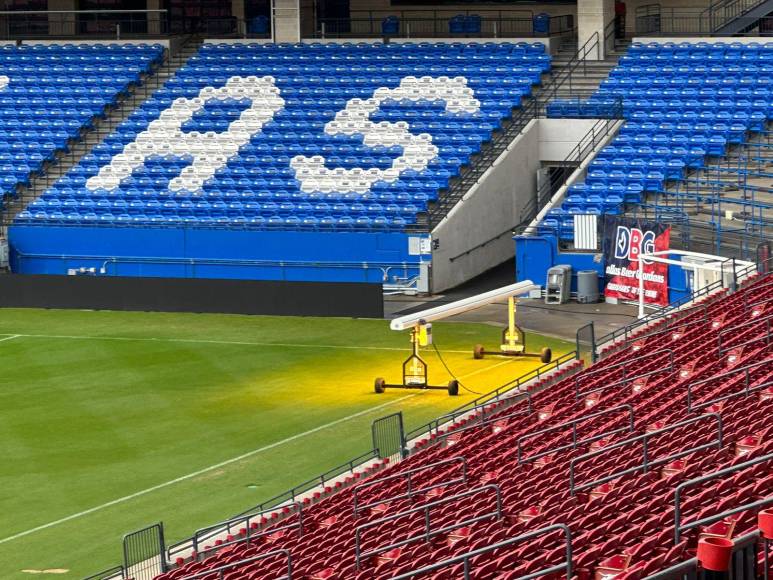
477,233
557,137
593,17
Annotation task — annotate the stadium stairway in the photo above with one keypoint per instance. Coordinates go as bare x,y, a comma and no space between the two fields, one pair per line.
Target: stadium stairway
572,76
101,127
601,452
732,193
690,108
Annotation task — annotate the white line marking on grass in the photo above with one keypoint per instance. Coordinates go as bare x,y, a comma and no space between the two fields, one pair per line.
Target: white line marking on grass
226,342
201,471
10,337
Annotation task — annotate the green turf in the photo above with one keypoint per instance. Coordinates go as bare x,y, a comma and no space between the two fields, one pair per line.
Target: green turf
97,406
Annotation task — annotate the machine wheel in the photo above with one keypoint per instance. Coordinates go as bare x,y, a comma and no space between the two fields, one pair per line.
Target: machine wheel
378,386
478,351
546,355
453,388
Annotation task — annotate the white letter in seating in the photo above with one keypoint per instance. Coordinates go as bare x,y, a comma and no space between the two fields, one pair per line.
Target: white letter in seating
210,151
418,150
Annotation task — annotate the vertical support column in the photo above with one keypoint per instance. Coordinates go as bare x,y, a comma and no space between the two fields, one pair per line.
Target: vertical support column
60,24
237,11
592,18
286,20
155,19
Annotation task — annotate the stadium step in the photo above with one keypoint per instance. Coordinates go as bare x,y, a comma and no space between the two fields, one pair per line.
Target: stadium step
39,183
564,80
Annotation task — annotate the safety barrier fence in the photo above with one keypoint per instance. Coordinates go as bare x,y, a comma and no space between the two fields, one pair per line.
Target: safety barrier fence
426,510
444,24
288,497
680,527
467,559
407,477
629,427
647,462
748,387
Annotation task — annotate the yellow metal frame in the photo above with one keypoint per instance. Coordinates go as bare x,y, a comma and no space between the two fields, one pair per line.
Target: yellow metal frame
512,339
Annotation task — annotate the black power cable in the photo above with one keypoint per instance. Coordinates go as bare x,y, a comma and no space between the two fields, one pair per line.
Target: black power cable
448,370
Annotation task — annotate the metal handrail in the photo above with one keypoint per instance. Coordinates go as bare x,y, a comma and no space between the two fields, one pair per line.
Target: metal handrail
688,570
624,365
493,396
679,490
734,372
465,559
223,569
578,394
116,572
429,533
407,476
288,496
646,463
531,109
766,320
208,532
573,424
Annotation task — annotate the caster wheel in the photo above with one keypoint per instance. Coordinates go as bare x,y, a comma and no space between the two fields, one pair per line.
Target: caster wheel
378,385
453,388
546,355
478,352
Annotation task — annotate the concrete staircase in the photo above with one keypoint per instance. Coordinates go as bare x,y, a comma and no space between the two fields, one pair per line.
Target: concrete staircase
102,128
567,79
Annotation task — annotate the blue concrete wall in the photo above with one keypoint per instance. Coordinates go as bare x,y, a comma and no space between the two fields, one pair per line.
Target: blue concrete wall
198,253
535,254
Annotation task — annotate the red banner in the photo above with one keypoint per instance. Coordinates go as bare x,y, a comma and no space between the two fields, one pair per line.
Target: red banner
625,239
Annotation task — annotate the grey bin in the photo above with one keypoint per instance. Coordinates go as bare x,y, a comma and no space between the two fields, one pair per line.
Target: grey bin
587,287
557,289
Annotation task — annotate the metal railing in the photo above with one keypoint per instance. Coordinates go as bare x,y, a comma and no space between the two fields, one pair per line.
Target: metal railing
679,527
624,365
654,19
106,24
573,424
466,559
721,349
480,403
288,497
689,569
531,108
646,463
442,24
242,522
747,390
114,573
428,533
221,571
407,476
587,145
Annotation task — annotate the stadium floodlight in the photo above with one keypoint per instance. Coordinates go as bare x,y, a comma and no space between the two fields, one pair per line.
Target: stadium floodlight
419,323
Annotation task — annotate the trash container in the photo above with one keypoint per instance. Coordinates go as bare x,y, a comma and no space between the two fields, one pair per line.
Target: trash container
258,25
472,24
541,23
390,26
456,24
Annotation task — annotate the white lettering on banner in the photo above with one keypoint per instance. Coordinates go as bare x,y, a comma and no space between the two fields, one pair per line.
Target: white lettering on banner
210,151
4,80
418,150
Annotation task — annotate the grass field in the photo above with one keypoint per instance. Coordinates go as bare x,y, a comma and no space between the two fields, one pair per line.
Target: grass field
112,421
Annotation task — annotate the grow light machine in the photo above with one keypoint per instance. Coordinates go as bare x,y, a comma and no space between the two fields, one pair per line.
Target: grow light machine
415,374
